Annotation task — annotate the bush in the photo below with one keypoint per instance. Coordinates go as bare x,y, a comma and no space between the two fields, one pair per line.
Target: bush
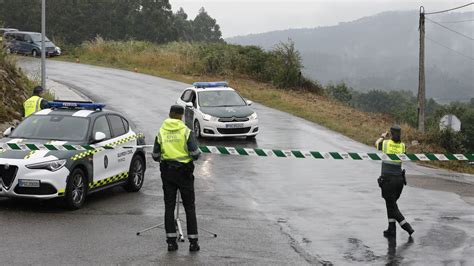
467,128
339,92
450,141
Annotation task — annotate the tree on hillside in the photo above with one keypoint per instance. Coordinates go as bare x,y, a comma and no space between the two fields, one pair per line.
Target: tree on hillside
182,27
153,21
287,64
205,28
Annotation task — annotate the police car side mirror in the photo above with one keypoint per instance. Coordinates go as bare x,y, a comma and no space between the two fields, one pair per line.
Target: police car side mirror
189,104
249,102
8,131
99,136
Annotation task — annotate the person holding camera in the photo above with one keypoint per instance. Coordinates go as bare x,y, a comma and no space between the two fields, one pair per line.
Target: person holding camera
392,180
176,148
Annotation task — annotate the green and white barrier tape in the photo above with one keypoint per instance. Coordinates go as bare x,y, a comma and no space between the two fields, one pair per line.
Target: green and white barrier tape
334,155
49,147
272,153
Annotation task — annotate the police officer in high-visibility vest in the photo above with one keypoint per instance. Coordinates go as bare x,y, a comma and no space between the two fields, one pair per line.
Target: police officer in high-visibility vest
392,180
175,148
35,102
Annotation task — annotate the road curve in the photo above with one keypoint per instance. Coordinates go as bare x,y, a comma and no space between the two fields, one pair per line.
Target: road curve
266,211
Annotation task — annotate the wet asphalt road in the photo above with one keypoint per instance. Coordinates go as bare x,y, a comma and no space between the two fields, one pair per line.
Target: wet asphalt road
265,211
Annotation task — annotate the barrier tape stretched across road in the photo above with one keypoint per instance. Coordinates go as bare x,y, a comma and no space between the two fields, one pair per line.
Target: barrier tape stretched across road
49,147
264,152
335,155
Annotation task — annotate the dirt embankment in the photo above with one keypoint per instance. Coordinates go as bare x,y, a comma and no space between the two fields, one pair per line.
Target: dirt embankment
14,89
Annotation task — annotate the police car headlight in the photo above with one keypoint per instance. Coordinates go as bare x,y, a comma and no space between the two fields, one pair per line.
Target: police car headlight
52,166
253,116
207,117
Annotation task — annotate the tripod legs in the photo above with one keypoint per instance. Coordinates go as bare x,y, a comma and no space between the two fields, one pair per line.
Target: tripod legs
149,228
177,222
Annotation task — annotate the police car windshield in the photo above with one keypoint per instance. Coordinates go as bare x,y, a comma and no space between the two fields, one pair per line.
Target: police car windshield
52,127
220,99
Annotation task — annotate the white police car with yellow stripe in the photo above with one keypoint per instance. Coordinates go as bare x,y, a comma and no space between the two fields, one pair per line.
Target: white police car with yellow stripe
70,150
212,109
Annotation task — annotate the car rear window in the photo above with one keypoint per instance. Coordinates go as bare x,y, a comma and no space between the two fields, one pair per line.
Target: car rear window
186,96
125,124
118,128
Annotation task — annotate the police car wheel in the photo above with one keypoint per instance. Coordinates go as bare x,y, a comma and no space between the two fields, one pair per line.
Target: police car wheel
76,189
136,175
34,53
197,129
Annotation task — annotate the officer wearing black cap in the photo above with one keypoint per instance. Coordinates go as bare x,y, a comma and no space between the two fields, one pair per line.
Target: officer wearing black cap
176,149
392,180
35,102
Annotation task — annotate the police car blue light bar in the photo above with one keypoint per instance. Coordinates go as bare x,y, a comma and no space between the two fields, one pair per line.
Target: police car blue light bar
78,105
210,84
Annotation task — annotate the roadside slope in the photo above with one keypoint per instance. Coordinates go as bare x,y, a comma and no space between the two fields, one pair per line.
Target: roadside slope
14,89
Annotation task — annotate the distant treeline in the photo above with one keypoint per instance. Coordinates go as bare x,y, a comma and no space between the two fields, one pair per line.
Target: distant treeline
75,21
403,106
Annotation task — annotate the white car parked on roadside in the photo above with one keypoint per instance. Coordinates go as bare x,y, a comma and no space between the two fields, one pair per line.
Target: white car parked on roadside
212,109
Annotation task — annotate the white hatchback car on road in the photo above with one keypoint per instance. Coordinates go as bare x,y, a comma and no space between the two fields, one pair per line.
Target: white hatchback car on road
212,109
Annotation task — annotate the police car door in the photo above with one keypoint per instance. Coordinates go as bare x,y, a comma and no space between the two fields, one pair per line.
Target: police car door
103,167
123,136
189,111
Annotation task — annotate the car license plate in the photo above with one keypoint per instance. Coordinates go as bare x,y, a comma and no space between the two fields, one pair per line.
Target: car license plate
28,183
240,125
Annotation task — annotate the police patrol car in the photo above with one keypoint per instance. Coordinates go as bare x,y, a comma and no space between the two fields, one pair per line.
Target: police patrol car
70,150
212,109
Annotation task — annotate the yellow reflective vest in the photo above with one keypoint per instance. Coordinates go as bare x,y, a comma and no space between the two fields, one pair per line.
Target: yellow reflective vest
392,147
32,105
173,139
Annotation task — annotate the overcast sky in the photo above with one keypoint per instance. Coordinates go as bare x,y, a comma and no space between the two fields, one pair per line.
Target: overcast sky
241,17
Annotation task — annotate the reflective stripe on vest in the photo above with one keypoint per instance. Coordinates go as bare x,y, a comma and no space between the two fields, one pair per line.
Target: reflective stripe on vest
174,145
392,147
32,105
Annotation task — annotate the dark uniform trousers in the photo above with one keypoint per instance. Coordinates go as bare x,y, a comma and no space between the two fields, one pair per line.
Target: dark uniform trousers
179,176
392,186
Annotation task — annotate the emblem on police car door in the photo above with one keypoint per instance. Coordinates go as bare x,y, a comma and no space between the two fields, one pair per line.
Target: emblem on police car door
106,161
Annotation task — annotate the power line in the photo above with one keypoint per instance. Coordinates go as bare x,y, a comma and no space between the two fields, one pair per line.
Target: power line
449,48
439,24
451,9
458,21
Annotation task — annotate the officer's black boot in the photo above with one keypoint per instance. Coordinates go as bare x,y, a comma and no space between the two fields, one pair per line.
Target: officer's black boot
391,231
407,227
193,245
172,244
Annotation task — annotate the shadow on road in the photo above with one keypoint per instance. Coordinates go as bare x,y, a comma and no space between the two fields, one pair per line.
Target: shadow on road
230,142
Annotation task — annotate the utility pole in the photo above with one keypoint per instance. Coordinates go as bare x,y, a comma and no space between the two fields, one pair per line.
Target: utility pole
43,47
421,74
